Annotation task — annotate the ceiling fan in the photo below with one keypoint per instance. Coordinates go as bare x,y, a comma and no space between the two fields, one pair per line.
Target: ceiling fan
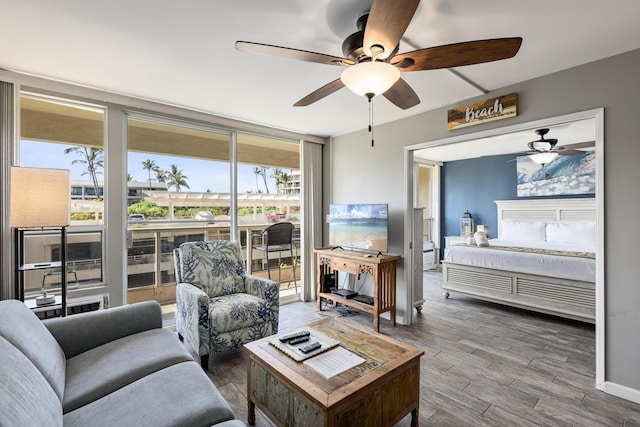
372,62
544,150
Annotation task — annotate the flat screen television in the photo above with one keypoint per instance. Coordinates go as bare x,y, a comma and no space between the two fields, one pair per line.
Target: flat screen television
359,226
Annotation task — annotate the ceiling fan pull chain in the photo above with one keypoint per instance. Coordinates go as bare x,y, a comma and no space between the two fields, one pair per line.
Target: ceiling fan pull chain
371,119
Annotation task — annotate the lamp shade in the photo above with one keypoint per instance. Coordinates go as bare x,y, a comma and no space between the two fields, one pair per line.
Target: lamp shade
373,78
543,158
39,197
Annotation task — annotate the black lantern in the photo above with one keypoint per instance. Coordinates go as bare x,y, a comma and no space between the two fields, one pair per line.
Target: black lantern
466,225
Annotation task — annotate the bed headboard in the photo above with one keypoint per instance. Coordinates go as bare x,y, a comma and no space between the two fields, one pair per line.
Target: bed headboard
547,210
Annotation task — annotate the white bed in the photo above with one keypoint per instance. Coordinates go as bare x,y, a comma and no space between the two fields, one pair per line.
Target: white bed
554,282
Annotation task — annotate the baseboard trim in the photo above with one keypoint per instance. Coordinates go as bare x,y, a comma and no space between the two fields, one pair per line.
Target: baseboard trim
622,391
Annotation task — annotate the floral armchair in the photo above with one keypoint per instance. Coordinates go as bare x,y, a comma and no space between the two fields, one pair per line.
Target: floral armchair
218,306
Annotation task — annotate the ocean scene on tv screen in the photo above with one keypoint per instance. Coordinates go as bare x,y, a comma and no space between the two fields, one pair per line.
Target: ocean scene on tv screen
361,226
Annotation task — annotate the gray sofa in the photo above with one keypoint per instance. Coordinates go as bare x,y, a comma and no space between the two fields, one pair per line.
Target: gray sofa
115,367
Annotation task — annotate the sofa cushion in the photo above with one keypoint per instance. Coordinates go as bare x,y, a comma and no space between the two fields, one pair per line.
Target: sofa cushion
192,397
27,397
231,312
215,266
104,369
22,328
103,326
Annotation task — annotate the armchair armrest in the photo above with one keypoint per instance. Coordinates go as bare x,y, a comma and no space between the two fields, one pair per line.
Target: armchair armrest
81,332
270,291
192,316
263,288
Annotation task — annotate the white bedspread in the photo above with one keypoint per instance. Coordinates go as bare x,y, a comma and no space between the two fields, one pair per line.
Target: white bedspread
567,267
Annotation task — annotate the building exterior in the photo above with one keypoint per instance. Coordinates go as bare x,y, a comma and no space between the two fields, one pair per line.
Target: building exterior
84,190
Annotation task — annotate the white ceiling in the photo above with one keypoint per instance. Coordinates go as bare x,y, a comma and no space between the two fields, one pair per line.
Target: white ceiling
182,52
567,133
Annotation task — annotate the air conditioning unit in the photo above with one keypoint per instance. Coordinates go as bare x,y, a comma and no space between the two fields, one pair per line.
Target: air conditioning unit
428,256
74,306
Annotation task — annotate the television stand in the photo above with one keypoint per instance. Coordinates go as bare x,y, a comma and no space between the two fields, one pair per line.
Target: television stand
382,269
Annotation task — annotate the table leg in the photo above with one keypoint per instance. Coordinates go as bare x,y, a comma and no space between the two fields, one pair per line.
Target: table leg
414,418
251,413
393,316
251,407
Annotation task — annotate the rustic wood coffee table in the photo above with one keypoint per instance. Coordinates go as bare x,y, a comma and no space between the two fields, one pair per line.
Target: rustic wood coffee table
379,392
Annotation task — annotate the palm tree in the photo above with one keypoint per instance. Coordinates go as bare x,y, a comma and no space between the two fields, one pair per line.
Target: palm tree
277,175
93,159
256,172
161,176
149,165
176,179
263,172
284,180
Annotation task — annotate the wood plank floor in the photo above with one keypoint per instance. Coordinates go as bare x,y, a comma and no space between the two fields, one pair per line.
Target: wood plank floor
484,365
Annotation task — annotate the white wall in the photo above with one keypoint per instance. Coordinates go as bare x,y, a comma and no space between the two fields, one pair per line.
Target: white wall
362,177
364,173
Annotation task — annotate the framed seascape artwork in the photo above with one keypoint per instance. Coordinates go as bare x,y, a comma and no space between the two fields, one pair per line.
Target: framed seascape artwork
563,175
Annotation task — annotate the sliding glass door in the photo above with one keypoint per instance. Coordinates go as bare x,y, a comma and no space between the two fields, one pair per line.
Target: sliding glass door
180,188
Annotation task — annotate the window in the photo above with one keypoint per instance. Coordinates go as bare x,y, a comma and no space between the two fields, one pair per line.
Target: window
178,172
59,133
182,173
269,192
180,186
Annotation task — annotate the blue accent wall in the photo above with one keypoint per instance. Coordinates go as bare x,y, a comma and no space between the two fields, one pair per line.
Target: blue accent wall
474,185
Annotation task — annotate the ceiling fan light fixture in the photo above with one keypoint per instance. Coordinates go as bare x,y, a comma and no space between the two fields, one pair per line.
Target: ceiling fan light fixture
540,145
370,78
543,158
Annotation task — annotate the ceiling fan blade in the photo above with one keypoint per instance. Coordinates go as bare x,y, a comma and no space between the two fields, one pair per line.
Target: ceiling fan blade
287,52
578,145
458,54
402,95
573,149
387,22
571,152
318,94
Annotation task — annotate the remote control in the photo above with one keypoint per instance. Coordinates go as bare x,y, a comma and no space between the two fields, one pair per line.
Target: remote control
298,340
294,335
308,348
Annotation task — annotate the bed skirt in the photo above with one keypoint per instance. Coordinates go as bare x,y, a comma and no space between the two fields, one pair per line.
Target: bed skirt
567,298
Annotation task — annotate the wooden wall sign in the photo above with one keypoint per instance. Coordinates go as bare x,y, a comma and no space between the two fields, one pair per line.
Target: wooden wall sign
492,109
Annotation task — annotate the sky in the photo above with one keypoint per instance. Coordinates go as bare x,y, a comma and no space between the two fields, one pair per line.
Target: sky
201,175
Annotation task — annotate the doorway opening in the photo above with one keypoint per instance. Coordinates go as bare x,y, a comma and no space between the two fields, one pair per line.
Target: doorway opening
494,142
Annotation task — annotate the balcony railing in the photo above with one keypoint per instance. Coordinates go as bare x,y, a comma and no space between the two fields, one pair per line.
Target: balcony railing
148,273
151,276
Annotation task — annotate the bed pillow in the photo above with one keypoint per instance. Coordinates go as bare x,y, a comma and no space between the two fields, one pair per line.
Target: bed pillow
481,239
523,231
582,233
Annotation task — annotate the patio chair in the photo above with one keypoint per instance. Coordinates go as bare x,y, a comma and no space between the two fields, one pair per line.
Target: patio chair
219,307
278,238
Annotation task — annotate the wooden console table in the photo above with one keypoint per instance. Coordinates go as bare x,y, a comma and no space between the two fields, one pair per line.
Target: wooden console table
382,269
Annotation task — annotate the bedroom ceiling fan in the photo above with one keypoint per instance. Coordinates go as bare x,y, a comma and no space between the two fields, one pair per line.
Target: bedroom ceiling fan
544,150
371,58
